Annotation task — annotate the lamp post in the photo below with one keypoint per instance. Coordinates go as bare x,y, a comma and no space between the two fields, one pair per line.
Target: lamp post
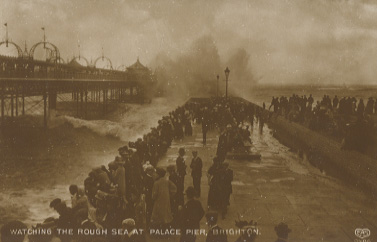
217,86
227,71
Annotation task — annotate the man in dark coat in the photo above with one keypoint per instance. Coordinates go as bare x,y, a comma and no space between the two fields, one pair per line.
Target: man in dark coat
215,233
148,188
181,170
191,214
205,127
196,171
66,218
227,178
215,193
173,177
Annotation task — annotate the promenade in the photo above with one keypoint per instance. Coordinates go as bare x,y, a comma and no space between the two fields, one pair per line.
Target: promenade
282,187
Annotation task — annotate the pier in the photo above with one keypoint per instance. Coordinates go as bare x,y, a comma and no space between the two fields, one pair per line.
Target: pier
31,90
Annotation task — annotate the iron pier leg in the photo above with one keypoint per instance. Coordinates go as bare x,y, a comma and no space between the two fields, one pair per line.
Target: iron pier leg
11,104
23,101
86,104
17,102
77,104
104,101
82,102
45,108
2,104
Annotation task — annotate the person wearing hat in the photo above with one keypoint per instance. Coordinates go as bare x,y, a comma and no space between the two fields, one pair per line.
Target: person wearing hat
173,177
163,189
215,192
369,106
190,216
66,218
181,171
224,143
205,126
148,187
196,171
55,202
132,234
282,232
215,233
119,179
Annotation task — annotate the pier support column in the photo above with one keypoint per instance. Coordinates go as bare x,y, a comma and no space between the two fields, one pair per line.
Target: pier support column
52,98
17,102
23,100
104,101
77,103
11,104
45,109
86,104
82,103
2,104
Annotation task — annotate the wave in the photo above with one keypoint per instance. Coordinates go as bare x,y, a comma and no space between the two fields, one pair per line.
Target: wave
129,122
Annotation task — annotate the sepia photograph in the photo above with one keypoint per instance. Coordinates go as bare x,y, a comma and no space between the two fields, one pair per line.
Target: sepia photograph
188,120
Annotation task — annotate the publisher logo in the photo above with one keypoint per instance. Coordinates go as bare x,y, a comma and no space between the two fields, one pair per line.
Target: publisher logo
362,233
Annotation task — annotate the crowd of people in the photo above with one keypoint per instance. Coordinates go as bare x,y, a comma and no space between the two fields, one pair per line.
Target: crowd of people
133,192
346,118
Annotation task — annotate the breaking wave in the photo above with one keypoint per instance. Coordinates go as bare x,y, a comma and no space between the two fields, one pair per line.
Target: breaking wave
128,123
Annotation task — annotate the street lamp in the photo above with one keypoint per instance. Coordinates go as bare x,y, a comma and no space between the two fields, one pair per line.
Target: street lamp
227,71
217,86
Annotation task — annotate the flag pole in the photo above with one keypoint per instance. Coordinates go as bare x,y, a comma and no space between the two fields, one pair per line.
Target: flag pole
6,34
44,37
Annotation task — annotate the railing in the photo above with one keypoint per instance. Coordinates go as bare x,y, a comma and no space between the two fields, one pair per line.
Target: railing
11,67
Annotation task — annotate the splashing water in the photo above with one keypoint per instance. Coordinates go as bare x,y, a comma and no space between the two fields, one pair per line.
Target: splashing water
31,204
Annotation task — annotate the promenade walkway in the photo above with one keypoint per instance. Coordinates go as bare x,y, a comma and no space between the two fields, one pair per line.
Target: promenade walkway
282,187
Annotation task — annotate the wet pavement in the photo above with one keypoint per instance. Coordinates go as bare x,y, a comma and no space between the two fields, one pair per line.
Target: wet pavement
282,187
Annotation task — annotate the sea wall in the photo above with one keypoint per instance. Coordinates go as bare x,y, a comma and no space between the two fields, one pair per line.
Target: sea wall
353,167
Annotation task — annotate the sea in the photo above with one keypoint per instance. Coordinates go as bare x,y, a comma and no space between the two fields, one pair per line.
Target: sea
37,166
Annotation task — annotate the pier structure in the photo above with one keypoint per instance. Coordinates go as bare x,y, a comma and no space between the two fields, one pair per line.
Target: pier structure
30,87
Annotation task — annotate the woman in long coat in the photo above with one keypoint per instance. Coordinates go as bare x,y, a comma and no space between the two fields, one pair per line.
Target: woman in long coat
163,189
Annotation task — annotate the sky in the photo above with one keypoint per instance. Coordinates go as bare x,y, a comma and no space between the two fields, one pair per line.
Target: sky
284,41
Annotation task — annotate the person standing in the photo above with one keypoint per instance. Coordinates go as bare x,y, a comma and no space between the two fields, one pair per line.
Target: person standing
196,171
215,192
173,177
119,180
148,188
163,189
227,179
205,127
181,171
191,214
205,124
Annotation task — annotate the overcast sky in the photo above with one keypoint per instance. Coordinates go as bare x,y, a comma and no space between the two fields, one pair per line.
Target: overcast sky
289,41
